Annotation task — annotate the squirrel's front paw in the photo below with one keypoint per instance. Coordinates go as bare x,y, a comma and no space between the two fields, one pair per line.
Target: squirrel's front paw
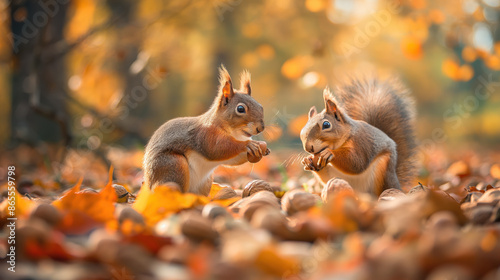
256,150
318,161
308,163
322,159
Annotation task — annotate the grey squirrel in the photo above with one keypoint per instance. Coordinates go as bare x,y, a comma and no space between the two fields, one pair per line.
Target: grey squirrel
186,150
365,135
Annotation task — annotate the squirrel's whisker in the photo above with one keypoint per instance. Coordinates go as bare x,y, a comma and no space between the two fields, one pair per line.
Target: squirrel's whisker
294,158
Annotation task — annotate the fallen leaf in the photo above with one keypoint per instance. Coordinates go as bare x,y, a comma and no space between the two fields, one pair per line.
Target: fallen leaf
22,206
164,201
84,210
53,248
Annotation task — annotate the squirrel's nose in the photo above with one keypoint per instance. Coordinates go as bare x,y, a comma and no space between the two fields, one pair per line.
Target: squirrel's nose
261,127
309,148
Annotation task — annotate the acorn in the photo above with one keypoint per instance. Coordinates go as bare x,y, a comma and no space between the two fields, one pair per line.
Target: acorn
480,215
256,186
334,186
297,200
212,211
495,216
391,194
103,242
491,197
126,212
225,193
48,213
85,189
239,192
249,208
135,258
271,220
238,205
121,193
267,197
247,205
197,228
418,189
441,220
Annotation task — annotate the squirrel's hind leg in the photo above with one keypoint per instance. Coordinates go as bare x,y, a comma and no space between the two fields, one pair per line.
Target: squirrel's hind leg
388,177
168,168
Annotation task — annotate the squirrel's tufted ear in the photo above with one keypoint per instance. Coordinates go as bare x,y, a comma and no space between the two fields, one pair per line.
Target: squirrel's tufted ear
331,104
312,112
226,91
245,82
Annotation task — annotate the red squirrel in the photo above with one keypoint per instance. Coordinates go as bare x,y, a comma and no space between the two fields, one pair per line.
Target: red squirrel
186,150
365,135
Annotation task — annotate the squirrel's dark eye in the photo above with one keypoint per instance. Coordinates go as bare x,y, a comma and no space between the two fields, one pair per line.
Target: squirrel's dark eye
326,125
240,109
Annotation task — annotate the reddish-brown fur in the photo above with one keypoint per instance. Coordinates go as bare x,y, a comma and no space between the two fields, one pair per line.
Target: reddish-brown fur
210,139
387,105
372,121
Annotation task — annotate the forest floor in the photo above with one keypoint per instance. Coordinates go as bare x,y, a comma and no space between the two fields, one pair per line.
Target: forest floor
269,220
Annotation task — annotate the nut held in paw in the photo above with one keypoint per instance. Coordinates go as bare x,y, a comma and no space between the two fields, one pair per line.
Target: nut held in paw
265,151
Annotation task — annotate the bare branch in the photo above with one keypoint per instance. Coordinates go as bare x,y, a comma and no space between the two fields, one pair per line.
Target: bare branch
61,48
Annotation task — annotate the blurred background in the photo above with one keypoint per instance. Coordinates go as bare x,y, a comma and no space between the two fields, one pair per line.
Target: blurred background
94,79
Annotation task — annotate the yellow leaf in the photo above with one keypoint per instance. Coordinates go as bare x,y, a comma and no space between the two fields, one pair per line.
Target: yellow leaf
214,190
164,201
226,202
22,206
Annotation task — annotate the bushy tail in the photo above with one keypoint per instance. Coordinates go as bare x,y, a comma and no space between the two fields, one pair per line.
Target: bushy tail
387,105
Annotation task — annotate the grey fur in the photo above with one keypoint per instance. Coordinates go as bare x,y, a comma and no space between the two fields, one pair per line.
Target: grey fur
387,105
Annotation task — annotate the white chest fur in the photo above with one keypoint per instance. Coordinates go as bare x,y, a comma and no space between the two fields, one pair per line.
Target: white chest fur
201,170
365,181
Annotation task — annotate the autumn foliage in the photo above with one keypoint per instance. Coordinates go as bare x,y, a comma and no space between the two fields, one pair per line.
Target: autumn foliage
261,228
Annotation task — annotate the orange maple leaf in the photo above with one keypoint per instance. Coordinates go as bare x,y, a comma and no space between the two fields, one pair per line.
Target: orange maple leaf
83,210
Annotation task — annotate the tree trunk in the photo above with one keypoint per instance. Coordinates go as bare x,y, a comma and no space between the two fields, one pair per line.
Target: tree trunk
39,112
